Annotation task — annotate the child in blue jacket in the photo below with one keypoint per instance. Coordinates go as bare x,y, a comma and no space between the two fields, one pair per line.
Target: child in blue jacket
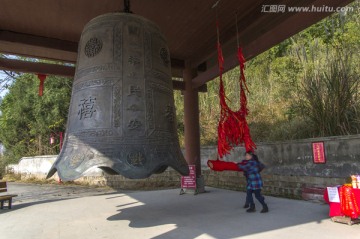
254,182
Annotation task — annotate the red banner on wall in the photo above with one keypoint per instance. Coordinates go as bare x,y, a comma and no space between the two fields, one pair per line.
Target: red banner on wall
189,181
318,152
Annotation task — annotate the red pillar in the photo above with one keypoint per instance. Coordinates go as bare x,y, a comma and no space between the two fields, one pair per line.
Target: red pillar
192,125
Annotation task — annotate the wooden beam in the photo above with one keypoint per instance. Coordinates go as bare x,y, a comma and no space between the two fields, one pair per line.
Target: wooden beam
177,67
60,70
48,48
177,63
36,67
282,31
180,85
37,47
32,40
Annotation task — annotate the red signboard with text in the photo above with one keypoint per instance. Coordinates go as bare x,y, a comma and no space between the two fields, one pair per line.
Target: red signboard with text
318,152
189,181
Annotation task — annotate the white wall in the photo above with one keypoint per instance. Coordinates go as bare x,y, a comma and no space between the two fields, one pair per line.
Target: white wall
41,165
37,164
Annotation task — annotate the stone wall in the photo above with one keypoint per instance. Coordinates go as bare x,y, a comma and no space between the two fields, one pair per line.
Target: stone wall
169,179
290,168
275,185
36,167
294,158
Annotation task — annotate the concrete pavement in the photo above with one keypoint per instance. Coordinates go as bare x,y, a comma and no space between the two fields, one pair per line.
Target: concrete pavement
104,213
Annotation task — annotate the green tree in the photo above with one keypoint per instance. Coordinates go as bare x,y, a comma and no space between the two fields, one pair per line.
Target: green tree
279,79
28,120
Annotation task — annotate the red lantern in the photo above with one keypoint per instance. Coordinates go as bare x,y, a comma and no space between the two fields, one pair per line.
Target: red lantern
41,85
61,140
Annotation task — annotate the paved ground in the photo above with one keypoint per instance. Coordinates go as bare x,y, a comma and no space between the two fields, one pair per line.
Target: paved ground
54,211
30,194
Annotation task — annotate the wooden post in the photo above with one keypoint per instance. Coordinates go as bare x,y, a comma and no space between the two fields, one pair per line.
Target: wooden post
192,125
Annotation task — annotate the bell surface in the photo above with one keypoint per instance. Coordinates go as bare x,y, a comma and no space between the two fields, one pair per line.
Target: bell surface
122,117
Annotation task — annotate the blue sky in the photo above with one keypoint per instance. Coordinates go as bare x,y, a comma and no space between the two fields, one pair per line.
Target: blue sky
3,76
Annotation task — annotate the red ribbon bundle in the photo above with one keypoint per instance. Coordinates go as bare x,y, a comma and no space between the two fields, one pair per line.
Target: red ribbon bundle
233,128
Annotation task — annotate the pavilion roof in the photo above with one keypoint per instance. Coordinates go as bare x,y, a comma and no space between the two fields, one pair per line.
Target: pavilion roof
51,29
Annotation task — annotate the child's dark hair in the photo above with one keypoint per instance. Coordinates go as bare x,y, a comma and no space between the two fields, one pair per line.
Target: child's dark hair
254,156
249,152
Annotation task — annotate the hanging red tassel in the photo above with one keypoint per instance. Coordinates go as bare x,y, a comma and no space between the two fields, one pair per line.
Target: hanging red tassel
233,128
41,85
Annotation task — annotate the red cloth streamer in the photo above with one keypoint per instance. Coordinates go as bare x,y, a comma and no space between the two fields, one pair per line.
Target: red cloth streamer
233,128
219,165
41,85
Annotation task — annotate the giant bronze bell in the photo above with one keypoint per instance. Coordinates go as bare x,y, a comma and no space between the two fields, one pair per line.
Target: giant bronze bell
122,116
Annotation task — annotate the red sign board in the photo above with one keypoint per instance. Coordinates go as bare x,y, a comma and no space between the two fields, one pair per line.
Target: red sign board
318,152
189,181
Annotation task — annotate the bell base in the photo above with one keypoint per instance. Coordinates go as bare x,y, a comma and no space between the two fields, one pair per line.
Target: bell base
115,171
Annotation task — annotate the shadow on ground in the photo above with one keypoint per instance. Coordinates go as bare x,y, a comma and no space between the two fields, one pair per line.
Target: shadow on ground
95,213
22,205
34,194
216,214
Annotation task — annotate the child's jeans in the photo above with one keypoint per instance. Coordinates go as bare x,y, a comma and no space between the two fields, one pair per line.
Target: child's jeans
258,196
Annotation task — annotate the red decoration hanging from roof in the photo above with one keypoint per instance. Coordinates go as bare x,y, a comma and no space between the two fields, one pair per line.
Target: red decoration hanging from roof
233,128
42,78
